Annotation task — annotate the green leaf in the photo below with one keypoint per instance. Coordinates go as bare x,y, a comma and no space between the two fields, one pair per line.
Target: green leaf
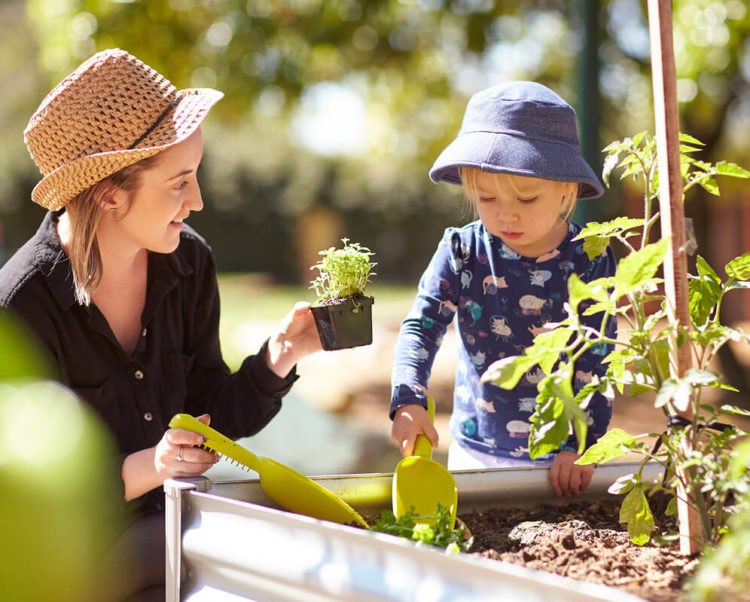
636,513
637,269
506,372
548,346
595,246
549,428
609,164
555,411
703,295
633,169
730,409
598,290
739,267
678,392
690,139
709,184
623,484
704,269
613,444
740,459
596,236
638,138
724,168
698,378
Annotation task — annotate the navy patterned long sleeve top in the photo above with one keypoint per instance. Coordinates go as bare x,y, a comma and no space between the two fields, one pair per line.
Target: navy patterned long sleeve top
500,301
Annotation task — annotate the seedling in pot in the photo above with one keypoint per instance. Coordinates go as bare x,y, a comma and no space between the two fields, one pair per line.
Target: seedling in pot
343,313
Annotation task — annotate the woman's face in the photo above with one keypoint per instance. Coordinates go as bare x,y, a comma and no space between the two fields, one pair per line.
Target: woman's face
523,212
166,195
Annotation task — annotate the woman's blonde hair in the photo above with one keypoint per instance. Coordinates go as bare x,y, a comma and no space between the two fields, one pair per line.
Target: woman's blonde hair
85,212
470,179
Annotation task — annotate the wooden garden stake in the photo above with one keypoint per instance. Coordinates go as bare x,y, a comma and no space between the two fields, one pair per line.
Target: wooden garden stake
672,222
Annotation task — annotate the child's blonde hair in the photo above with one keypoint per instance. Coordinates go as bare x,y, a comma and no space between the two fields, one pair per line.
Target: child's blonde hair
470,177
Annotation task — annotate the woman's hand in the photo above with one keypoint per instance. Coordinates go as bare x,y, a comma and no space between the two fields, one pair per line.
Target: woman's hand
296,337
568,478
409,421
173,456
176,456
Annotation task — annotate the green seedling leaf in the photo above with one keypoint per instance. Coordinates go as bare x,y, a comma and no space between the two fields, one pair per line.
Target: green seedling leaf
343,273
636,514
724,168
737,411
613,444
704,269
609,164
595,246
556,409
709,184
623,484
699,378
596,236
740,461
704,292
676,391
506,372
549,428
687,138
637,269
739,268
409,526
680,391
548,346
598,290
737,284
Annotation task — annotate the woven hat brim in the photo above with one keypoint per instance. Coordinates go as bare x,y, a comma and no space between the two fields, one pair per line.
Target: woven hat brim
504,153
64,183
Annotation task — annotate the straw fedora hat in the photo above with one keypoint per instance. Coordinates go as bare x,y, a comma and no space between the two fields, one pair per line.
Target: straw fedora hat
111,112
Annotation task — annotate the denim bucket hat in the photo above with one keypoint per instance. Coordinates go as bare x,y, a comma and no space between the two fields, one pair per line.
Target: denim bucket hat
520,128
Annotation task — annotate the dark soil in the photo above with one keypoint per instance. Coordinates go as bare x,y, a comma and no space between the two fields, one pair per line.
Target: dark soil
583,541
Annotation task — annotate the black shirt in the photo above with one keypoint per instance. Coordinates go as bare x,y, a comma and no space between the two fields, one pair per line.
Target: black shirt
177,364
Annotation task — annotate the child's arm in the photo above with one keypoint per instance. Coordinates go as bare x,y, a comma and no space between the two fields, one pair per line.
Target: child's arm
419,340
566,477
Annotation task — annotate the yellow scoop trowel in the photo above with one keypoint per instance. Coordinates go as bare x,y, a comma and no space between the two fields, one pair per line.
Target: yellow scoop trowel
421,482
287,487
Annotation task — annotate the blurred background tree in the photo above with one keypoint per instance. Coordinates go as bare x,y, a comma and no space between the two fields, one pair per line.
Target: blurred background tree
335,110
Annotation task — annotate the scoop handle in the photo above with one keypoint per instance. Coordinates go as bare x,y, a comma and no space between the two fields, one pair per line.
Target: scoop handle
216,441
422,445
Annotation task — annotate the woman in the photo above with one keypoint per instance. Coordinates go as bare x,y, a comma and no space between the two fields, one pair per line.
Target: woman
123,293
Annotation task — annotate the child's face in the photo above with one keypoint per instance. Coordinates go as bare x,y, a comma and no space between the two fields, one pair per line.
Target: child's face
523,212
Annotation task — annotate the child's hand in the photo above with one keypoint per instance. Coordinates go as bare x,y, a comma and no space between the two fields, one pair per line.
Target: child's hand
567,477
408,422
296,337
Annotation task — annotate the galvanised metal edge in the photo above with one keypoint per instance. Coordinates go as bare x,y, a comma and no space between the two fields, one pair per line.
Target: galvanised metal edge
230,543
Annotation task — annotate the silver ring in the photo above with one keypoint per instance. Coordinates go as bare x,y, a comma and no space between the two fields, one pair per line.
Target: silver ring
179,454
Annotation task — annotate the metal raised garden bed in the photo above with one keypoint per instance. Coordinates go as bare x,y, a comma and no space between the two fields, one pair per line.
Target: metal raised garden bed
226,540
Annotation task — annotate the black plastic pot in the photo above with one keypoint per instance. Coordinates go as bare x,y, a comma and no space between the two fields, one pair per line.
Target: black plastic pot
344,324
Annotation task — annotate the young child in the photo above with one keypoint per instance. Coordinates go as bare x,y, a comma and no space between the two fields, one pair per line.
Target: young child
504,277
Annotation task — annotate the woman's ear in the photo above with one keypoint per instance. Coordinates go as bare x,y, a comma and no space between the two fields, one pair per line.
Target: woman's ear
113,199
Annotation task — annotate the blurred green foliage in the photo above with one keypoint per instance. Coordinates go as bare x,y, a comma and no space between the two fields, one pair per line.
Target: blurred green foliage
410,65
58,510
